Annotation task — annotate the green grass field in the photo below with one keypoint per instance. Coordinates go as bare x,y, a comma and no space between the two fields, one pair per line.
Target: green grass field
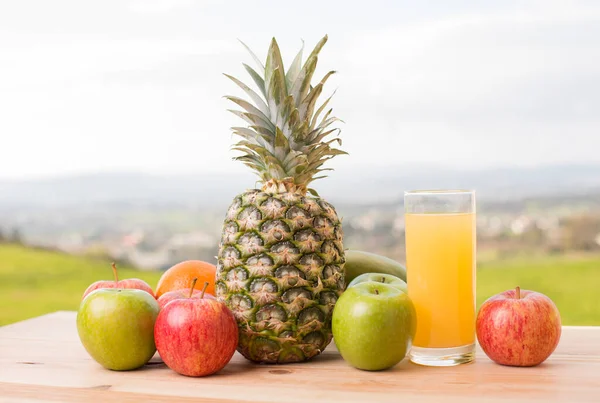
572,282
34,282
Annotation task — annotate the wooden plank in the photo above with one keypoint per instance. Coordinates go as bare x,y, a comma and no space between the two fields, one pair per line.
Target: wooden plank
15,393
42,359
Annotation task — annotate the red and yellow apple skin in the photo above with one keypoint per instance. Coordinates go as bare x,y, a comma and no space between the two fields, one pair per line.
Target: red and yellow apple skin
196,336
130,283
518,327
169,296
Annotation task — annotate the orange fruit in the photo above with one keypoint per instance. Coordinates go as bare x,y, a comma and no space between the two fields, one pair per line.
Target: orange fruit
183,273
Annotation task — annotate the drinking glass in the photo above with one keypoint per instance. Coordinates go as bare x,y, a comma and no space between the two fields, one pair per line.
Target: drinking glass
441,274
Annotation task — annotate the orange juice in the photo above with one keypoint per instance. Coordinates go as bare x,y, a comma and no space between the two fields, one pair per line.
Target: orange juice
440,260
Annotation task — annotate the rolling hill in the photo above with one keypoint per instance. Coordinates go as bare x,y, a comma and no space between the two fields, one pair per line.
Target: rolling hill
359,184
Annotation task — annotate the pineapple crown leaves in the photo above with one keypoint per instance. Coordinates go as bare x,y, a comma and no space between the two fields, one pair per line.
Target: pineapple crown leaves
285,137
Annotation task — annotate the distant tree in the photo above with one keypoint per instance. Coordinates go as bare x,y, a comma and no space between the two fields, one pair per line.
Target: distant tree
2,237
580,232
16,237
533,236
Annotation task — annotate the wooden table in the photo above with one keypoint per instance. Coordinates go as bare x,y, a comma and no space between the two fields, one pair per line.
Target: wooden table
43,360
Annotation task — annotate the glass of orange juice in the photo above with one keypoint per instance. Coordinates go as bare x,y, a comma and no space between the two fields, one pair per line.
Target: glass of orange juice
441,272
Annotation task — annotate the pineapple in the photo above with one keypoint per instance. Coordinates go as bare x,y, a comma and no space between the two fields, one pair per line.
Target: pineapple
281,259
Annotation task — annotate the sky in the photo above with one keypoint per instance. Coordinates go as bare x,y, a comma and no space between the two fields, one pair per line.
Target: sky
132,85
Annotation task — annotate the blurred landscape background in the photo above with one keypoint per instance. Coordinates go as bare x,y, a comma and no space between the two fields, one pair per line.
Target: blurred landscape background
115,141
540,230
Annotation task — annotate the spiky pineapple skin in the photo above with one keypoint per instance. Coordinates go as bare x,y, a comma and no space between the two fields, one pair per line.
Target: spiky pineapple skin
280,271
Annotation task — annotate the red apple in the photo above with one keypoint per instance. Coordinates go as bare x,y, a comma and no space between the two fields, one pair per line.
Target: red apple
196,336
134,283
518,327
169,296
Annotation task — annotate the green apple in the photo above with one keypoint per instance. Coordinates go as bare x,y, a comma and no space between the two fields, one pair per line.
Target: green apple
373,325
116,327
390,279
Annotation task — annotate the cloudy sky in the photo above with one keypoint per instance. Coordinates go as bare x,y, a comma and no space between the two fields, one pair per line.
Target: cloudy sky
88,86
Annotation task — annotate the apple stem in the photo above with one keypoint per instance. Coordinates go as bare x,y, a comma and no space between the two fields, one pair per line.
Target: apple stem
204,289
114,269
376,291
192,288
518,293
